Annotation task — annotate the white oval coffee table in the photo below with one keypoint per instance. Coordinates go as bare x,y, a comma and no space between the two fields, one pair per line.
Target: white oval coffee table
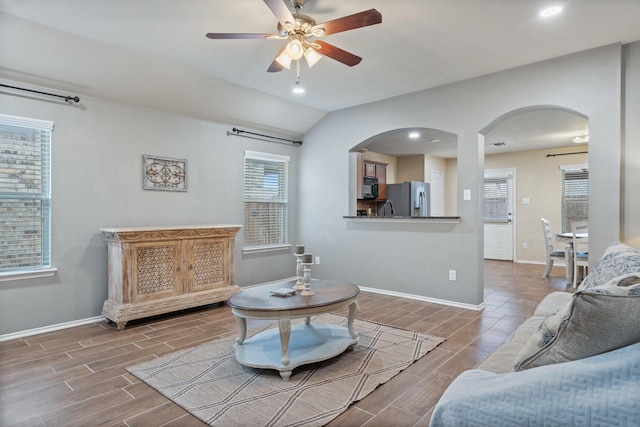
287,347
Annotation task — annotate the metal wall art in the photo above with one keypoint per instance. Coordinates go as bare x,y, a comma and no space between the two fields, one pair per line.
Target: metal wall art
164,173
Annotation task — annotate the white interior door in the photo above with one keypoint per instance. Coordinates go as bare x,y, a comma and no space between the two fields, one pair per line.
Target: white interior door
437,193
498,213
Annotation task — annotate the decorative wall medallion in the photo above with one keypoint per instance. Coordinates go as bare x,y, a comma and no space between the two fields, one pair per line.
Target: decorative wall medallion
164,173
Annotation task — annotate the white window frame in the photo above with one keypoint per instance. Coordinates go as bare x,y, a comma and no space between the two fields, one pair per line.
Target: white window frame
40,264
266,208
580,196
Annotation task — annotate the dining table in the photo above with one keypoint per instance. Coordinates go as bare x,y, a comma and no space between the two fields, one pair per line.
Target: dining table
567,238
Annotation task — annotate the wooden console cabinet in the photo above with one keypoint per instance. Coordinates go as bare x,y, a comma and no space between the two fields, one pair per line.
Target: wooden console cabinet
156,270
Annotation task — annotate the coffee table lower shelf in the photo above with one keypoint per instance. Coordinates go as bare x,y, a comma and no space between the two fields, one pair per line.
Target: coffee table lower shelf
309,343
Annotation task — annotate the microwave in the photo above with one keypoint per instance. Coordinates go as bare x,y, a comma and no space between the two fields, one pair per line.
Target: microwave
369,188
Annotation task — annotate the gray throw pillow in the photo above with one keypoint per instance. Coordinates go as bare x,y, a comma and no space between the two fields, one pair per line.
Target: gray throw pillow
617,260
596,320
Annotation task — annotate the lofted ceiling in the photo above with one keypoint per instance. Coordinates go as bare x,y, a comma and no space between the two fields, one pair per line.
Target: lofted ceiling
420,44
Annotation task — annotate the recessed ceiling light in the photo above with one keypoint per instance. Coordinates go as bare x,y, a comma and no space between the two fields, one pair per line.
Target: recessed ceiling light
581,139
414,135
550,11
298,89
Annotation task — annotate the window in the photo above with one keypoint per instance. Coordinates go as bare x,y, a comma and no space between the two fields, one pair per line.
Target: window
497,205
265,200
25,194
575,195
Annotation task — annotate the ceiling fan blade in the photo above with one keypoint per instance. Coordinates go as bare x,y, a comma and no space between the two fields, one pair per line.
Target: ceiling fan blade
338,54
217,36
275,65
351,22
281,11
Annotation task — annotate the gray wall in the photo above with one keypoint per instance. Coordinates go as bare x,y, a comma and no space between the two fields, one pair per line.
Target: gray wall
415,259
97,149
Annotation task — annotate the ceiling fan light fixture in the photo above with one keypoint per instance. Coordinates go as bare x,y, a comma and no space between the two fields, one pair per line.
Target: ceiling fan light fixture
311,56
284,59
294,49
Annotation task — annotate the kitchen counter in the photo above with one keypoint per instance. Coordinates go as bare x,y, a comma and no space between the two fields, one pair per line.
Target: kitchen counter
405,219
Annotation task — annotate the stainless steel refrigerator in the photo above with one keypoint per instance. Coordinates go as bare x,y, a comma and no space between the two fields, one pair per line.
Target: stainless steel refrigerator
407,199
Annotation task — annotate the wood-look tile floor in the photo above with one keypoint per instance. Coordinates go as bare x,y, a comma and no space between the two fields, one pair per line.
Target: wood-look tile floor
77,376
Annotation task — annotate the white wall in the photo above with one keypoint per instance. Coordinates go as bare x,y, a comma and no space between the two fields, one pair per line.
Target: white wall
631,162
97,150
415,259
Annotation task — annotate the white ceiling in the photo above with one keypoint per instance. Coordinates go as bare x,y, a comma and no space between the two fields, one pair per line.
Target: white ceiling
419,44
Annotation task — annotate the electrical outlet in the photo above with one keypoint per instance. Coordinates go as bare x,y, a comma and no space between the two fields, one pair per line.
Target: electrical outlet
317,259
452,275
525,246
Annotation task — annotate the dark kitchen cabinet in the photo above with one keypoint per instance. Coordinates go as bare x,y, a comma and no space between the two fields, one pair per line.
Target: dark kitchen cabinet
377,170
371,169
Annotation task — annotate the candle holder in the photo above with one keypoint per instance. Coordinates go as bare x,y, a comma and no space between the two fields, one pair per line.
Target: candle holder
298,286
306,280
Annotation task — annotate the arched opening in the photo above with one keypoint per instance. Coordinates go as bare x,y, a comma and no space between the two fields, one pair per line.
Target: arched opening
529,152
412,154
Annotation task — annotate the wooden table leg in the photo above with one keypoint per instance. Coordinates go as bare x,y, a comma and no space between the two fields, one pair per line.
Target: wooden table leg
568,261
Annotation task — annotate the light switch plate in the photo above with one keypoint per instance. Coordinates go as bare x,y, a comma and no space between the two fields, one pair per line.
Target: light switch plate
467,194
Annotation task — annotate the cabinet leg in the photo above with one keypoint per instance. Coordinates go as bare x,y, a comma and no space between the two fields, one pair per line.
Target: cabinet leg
120,325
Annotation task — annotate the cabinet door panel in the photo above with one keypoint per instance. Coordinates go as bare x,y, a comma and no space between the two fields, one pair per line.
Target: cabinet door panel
207,264
155,270
370,170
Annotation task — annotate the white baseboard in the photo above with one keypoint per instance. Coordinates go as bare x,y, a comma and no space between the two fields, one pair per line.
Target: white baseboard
50,328
425,299
80,322
557,263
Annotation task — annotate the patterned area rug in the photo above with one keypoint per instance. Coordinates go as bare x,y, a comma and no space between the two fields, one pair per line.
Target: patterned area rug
209,383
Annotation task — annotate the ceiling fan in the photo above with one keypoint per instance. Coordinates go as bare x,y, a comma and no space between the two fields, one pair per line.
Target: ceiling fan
301,31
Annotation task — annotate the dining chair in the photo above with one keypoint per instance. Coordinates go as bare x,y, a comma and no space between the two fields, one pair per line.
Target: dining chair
552,254
580,257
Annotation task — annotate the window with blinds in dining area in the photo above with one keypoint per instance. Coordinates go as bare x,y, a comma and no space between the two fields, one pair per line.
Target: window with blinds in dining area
575,195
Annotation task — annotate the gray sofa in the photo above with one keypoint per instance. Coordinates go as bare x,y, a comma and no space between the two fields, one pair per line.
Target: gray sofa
575,362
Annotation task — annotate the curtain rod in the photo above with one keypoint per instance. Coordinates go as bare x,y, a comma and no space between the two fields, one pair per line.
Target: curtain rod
238,132
67,98
567,154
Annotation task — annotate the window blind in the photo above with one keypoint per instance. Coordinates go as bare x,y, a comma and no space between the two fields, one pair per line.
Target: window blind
496,199
575,196
25,193
265,200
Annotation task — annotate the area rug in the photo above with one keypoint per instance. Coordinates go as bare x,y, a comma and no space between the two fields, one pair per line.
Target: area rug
208,382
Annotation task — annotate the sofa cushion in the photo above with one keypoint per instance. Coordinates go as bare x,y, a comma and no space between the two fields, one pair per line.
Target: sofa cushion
552,303
596,320
618,259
